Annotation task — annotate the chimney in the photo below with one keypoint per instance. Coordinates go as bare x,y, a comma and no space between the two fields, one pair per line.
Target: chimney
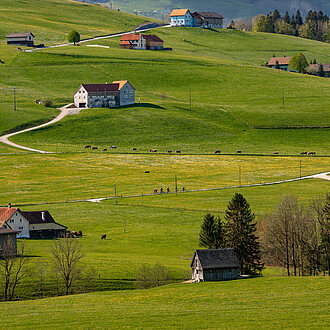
43,216
9,206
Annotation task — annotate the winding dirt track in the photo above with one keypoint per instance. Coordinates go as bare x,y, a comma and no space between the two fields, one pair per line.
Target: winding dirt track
66,110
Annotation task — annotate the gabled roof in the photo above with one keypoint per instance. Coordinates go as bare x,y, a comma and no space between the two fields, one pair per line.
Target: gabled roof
315,67
125,42
36,216
152,37
131,36
101,87
216,258
122,83
19,35
207,14
179,12
6,214
280,60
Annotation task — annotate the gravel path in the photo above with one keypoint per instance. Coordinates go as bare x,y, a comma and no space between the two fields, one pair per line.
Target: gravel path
66,110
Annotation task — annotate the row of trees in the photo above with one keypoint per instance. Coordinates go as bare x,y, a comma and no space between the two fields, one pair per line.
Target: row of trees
237,231
293,236
298,238
316,25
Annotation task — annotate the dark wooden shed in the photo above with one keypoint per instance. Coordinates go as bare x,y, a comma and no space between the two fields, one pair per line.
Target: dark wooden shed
8,244
214,265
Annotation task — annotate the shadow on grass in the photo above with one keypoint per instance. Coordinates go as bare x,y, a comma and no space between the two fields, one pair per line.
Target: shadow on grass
142,105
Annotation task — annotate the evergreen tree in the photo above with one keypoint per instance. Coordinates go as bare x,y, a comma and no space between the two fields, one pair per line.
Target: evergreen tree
277,65
314,61
241,235
298,18
287,18
276,15
208,228
219,233
320,71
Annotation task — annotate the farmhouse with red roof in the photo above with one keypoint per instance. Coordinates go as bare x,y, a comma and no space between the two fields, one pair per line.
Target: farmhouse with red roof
141,41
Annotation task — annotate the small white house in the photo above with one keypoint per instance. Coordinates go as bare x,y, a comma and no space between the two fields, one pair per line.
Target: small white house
116,94
24,39
13,218
181,17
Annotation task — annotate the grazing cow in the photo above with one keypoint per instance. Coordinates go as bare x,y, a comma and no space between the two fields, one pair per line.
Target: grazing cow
169,151
87,147
303,153
95,148
311,153
275,153
104,150
79,234
153,150
238,152
113,147
134,149
217,152
178,151
146,171
104,236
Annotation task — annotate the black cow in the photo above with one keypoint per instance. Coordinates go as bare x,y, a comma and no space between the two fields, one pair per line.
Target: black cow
178,151
104,150
113,147
104,236
238,152
217,152
87,147
95,148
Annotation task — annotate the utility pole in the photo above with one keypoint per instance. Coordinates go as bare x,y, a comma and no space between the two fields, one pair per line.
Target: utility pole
115,195
14,98
125,226
190,99
283,98
239,175
300,167
176,186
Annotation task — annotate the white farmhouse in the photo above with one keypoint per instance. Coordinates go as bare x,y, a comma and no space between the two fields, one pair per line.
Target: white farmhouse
116,94
13,218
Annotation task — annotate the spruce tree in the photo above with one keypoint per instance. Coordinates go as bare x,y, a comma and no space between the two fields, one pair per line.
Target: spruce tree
320,72
298,18
206,235
241,235
219,233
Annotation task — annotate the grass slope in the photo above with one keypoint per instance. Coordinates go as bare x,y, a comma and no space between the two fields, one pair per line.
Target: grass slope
232,95
269,303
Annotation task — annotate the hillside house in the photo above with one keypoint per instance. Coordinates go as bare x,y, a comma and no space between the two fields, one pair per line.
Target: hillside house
206,19
281,62
23,39
181,17
214,265
30,224
116,94
8,243
141,41
133,41
314,69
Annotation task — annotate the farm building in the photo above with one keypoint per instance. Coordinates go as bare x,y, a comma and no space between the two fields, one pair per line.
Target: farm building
281,62
181,17
314,69
42,225
141,41
23,39
35,224
116,94
214,265
8,244
207,19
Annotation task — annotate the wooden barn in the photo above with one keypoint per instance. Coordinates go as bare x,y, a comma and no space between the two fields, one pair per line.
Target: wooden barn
23,39
214,265
8,244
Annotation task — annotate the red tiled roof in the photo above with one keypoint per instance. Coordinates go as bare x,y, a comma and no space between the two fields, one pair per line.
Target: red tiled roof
152,37
5,214
125,42
128,37
280,60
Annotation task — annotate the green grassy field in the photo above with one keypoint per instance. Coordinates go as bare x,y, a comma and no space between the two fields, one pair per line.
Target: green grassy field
267,303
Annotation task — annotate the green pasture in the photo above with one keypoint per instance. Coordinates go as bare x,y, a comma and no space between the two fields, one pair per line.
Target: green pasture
268,303
63,177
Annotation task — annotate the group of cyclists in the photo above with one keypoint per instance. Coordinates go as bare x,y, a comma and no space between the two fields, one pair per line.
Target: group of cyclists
162,191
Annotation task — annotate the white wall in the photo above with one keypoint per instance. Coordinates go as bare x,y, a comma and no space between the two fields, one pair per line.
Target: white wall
20,223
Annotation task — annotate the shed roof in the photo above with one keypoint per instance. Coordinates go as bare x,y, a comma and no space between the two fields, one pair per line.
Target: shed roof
208,14
6,213
7,231
19,35
216,258
280,60
179,12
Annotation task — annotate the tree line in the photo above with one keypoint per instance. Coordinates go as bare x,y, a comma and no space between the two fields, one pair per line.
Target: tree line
316,25
292,236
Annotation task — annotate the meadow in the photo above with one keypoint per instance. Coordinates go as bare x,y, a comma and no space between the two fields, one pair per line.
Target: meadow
267,303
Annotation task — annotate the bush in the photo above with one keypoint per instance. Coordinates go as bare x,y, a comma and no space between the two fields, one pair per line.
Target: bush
152,276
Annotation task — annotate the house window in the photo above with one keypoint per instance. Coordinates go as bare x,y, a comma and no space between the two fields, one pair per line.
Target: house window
20,220
11,221
4,226
20,228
